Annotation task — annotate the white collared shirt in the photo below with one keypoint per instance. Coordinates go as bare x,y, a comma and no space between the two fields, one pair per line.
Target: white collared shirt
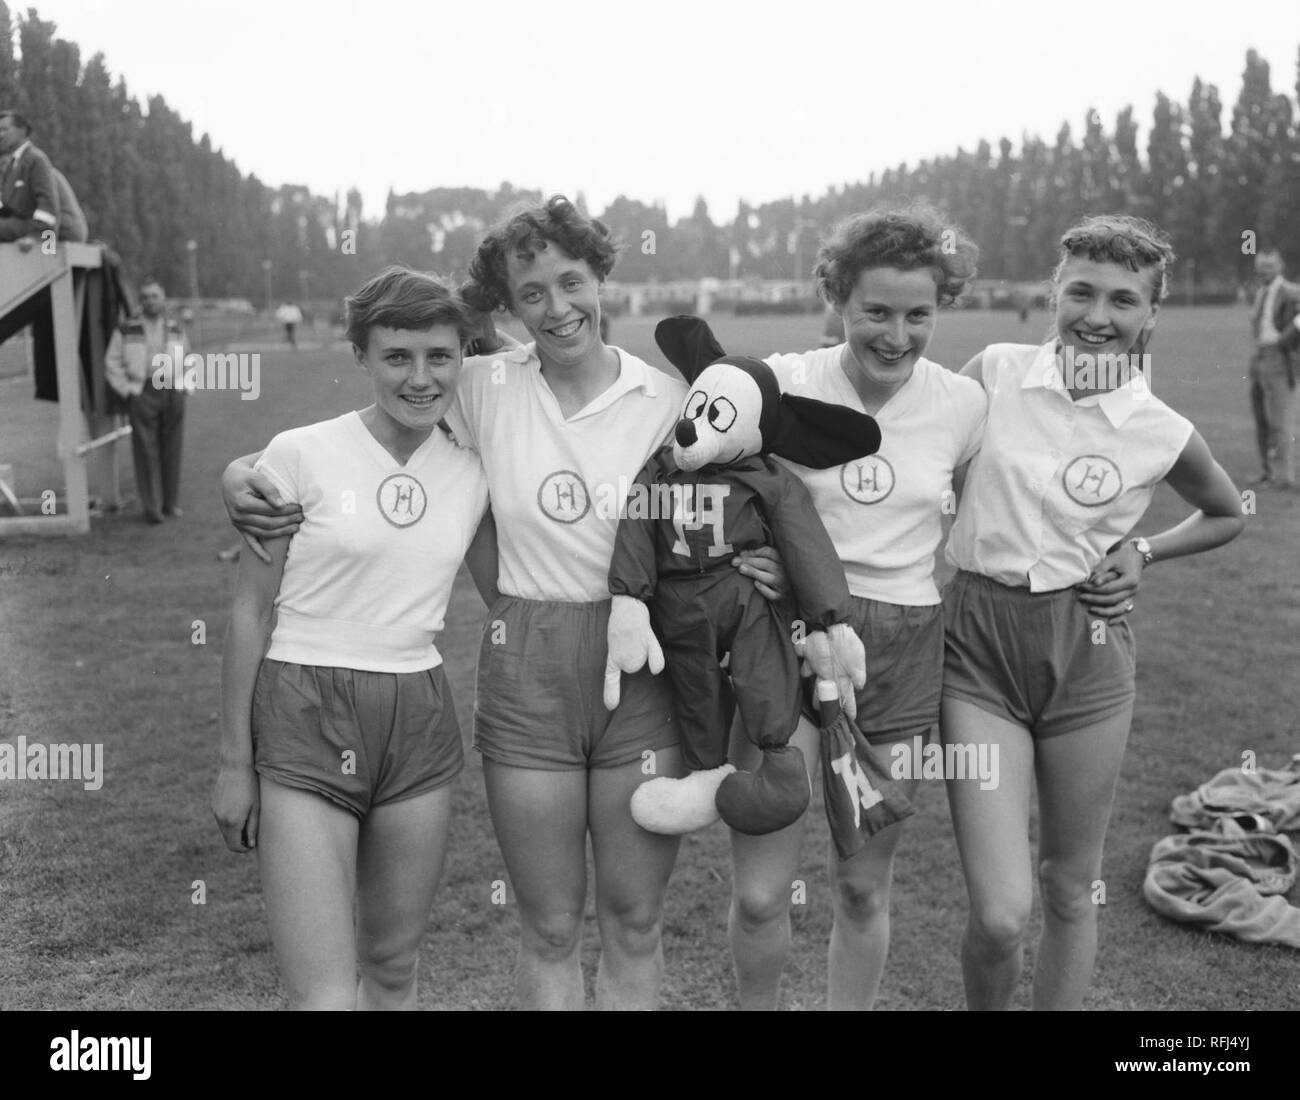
1058,482
556,483
883,512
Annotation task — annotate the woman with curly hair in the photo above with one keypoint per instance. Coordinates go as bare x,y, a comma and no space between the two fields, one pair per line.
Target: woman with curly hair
557,421
1075,445
887,273
563,422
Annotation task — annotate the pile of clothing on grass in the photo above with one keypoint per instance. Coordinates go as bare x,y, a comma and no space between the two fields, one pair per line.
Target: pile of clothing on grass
1229,872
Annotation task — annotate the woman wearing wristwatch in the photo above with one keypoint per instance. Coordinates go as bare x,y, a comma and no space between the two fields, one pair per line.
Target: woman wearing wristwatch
1074,447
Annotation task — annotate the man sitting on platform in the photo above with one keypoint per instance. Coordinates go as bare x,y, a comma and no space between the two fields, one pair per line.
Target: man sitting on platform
29,193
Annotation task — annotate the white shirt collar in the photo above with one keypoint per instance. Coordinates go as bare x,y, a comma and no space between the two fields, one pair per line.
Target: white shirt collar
17,153
633,373
1121,403
1118,404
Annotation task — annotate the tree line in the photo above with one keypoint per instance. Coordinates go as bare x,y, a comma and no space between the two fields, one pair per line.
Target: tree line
1222,182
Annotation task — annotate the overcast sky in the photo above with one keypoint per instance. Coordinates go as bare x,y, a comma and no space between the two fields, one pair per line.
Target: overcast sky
660,101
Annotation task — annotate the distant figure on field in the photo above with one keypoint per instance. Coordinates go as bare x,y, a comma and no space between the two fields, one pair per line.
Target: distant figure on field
29,194
290,316
155,396
1275,327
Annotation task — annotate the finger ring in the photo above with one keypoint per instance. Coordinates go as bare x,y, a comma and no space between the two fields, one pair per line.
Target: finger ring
1128,606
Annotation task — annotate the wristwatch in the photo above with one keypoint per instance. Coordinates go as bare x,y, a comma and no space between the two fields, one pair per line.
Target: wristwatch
1142,547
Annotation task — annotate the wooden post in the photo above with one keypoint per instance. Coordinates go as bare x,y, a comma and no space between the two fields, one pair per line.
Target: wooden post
24,273
72,428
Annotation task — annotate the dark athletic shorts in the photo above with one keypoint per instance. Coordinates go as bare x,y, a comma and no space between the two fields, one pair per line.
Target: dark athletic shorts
358,738
1039,659
540,696
904,670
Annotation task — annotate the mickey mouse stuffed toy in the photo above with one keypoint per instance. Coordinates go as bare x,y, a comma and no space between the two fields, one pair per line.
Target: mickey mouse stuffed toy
695,504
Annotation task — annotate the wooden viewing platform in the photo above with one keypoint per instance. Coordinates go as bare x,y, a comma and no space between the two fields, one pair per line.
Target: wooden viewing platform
86,440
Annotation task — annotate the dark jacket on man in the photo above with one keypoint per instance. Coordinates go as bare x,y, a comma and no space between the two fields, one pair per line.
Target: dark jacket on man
29,195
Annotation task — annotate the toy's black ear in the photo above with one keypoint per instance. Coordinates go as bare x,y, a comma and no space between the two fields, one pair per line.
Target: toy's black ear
818,435
688,343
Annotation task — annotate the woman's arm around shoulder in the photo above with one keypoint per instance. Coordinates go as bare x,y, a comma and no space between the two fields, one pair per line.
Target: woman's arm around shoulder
255,506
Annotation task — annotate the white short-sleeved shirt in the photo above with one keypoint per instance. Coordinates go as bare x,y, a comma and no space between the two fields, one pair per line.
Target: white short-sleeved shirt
883,512
556,484
369,572
1058,482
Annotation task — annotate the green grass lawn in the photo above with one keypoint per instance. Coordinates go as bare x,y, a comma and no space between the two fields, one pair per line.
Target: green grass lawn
96,887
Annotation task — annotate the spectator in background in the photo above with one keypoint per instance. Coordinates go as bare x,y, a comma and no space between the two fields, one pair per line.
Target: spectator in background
290,316
1273,370
154,389
29,194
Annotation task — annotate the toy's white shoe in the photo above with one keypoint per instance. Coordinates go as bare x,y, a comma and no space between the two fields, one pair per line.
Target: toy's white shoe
677,806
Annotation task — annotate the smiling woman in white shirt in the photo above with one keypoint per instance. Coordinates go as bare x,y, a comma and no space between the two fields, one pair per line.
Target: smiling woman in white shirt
564,423
339,741
886,273
558,422
1074,447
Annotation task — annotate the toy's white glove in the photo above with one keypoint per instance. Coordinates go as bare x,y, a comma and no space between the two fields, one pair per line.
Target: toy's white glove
837,655
632,645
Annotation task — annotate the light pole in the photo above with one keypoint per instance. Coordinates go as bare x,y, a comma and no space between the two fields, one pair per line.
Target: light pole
266,283
192,247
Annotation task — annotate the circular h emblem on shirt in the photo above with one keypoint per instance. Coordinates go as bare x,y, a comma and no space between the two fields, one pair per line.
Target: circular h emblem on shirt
1092,480
563,496
401,500
868,480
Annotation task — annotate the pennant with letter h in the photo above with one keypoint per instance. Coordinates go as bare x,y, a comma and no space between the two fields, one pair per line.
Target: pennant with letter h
861,797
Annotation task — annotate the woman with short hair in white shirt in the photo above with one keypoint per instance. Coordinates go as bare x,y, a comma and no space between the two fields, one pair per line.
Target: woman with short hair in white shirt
339,740
1074,447
886,273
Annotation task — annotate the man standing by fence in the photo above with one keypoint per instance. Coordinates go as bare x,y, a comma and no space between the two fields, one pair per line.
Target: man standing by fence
145,364
1273,370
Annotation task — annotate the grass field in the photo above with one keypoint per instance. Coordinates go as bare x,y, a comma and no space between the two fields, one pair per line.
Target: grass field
97,887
